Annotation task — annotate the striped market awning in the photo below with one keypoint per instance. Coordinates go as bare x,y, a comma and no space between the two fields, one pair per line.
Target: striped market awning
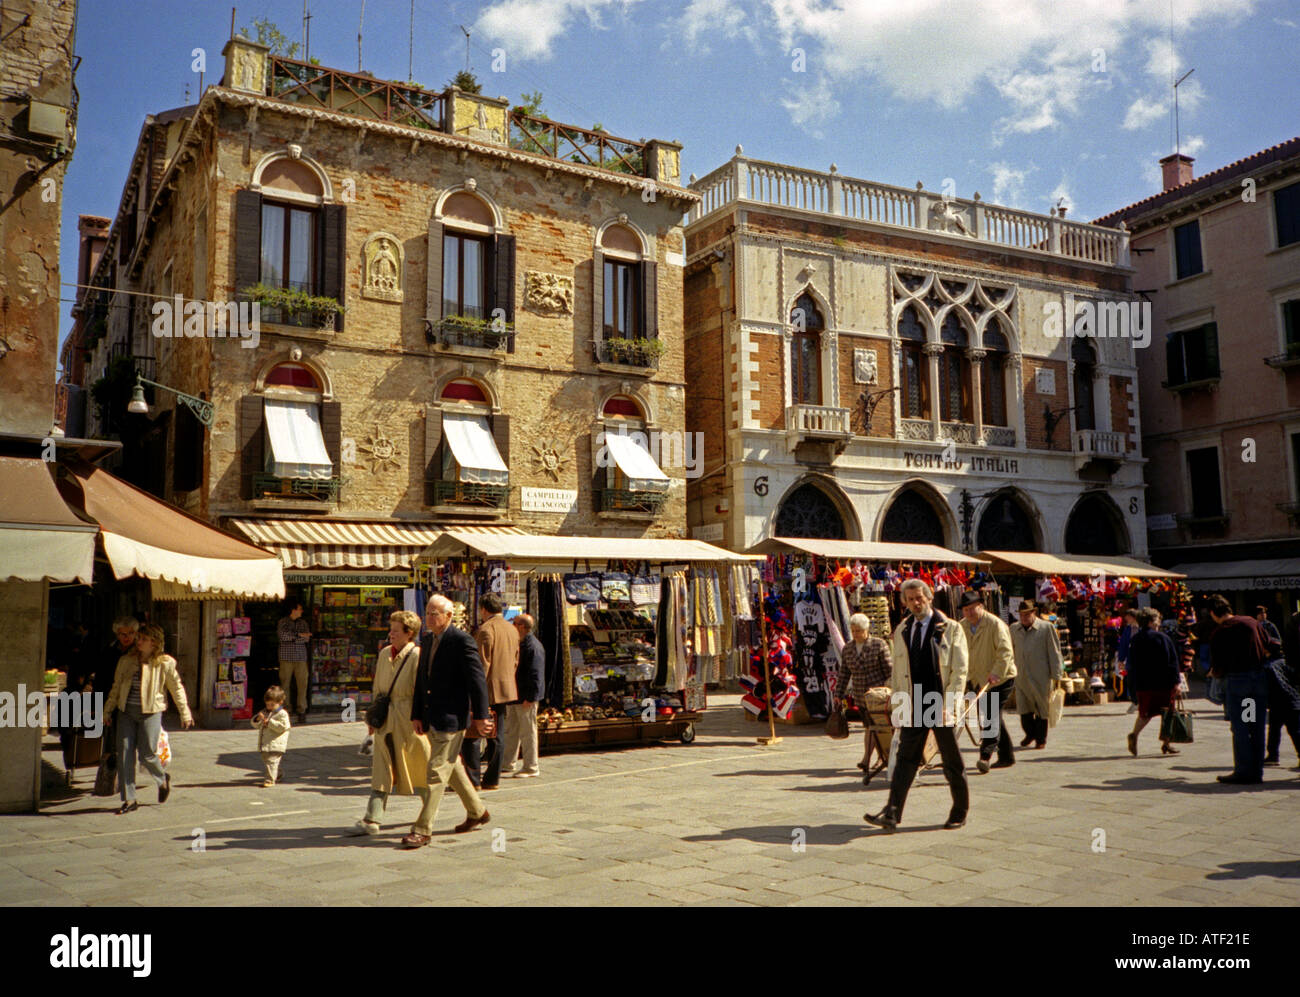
378,544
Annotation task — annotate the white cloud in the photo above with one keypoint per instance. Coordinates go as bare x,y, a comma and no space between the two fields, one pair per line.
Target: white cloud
724,17
1009,184
528,29
1192,145
811,106
1143,112
1283,22
1061,195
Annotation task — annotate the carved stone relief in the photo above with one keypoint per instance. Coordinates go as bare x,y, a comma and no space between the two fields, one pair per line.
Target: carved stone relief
864,367
382,258
548,292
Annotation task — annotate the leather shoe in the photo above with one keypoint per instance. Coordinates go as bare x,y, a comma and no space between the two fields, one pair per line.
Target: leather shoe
1040,745
486,788
982,766
1271,761
127,808
1239,780
165,790
1000,764
955,820
1026,742
886,819
471,823
414,840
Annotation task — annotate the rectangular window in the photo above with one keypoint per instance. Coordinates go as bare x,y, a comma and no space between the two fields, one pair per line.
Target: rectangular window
1291,324
805,369
288,247
954,387
1203,475
993,386
1295,462
1286,211
464,276
1192,355
622,309
1187,249
916,384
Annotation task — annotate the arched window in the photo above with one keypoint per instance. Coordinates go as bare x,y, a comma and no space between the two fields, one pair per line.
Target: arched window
623,284
1096,527
1085,365
1005,525
805,352
809,512
469,467
993,377
293,375
295,453
913,370
954,372
466,256
628,478
623,407
912,519
465,391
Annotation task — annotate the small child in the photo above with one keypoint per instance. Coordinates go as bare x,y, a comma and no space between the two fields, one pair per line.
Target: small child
273,733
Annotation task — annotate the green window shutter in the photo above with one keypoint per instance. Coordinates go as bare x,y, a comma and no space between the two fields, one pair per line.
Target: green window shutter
1211,338
1174,373
248,239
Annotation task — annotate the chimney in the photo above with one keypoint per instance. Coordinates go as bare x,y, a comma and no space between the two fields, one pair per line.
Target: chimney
1176,170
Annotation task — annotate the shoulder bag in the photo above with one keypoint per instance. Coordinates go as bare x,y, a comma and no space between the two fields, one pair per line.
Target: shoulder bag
837,724
1176,723
377,712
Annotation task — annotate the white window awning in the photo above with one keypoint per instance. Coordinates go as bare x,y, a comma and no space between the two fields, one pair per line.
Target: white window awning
634,460
297,446
474,448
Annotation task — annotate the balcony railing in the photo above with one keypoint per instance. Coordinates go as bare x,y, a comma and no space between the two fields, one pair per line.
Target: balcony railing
576,145
628,352
324,489
470,493
958,432
352,93
756,181
1285,361
818,421
999,436
916,429
1095,443
455,331
623,500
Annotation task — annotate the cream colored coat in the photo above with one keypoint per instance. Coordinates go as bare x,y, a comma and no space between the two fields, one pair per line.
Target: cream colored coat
951,650
989,650
406,767
157,678
273,738
1038,665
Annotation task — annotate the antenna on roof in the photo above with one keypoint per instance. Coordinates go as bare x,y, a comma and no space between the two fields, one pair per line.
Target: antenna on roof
410,48
462,28
360,25
1177,133
232,22
306,30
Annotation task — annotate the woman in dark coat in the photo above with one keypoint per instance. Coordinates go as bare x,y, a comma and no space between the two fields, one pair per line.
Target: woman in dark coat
1152,675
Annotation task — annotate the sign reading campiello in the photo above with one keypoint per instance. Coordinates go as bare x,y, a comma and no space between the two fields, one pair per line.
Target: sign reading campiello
977,465
548,499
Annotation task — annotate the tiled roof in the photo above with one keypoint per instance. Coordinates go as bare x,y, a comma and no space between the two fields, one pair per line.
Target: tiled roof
1273,154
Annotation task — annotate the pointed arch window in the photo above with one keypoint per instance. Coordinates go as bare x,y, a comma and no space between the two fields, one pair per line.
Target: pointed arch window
805,352
912,367
993,376
1085,366
954,372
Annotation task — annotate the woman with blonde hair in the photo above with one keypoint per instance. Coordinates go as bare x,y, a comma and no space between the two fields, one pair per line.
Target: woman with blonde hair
139,695
401,759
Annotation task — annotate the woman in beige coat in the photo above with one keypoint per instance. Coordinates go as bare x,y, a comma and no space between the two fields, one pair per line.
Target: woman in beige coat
401,758
144,677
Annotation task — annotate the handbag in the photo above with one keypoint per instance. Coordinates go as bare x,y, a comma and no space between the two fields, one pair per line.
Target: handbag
1176,723
106,775
837,724
377,712
164,750
1216,690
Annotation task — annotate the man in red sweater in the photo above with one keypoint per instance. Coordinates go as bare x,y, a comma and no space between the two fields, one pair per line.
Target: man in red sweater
1239,651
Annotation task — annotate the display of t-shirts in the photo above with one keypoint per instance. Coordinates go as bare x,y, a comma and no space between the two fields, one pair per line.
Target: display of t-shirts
811,643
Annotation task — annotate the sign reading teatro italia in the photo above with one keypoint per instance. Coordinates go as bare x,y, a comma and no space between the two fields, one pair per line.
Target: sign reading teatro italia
981,464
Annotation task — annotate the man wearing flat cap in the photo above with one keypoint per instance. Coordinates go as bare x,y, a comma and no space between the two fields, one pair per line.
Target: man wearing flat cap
1038,665
992,663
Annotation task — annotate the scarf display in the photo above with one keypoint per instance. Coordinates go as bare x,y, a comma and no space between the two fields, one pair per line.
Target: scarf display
672,647
780,657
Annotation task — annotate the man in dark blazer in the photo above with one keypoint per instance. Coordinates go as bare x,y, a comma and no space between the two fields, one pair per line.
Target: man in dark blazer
521,716
450,697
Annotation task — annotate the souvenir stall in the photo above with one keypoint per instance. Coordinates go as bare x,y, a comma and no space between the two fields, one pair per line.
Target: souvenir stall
633,628
814,586
1085,596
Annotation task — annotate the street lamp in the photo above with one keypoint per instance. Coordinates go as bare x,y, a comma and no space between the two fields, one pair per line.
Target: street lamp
967,510
203,410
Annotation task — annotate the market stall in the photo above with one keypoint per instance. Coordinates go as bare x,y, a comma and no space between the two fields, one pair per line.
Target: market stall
633,628
814,586
1085,596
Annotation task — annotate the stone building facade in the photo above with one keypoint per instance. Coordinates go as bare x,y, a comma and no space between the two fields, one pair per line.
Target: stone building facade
874,363
1219,257
266,188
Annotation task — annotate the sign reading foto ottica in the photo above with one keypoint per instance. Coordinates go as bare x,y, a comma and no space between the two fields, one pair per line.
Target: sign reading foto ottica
548,499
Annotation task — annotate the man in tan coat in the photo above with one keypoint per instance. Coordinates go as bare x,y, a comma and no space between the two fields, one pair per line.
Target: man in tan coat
1038,664
992,663
929,681
498,646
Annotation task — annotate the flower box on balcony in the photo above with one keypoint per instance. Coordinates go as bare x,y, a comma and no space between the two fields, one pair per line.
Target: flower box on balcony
457,331
470,493
293,307
272,485
644,353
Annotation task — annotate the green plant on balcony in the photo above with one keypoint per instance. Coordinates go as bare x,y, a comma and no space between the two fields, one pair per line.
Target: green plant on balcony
467,330
294,307
639,352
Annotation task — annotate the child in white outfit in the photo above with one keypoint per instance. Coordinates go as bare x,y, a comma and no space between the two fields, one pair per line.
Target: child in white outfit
273,733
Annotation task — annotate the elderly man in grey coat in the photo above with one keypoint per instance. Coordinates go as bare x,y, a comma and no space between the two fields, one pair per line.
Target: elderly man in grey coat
1038,664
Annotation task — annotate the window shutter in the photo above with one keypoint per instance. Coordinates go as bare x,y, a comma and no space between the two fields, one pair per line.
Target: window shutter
433,279
248,239
1174,359
599,475
501,435
503,275
649,299
331,428
1211,349
251,460
597,296
334,255
432,442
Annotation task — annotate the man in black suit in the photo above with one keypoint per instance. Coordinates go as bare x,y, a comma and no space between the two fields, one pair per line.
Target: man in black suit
450,689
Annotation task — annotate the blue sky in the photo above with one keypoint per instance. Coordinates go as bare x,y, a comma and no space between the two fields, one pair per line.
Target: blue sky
1025,101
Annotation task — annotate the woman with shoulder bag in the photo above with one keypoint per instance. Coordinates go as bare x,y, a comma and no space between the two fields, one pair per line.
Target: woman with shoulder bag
1153,671
401,757
143,679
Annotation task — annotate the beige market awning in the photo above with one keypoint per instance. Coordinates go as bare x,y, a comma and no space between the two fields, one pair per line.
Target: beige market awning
40,537
1030,562
1259,575
862,550
147,537
338,543
530,547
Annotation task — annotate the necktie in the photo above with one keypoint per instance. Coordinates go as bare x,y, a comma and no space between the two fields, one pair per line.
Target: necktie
918,628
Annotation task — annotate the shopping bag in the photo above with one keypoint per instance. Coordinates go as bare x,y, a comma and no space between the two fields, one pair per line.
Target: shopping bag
164,750
1055,706
1176,724
837,724
106,775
